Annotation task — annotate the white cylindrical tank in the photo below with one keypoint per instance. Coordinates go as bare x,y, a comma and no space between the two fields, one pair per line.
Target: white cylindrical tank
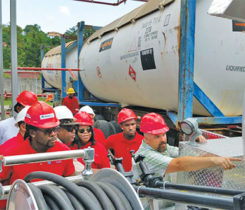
52,59
135,59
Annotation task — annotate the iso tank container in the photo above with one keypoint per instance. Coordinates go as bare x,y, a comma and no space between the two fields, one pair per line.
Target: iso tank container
52,59
135,59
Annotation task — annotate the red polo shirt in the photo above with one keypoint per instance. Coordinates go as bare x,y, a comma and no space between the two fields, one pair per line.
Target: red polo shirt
99,135
11,143
100,155
122,147
71,103
60,167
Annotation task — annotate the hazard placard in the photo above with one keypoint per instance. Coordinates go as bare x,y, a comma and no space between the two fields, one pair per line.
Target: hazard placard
132,73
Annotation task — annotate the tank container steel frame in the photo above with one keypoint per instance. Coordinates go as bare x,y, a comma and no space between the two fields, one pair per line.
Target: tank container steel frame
187,87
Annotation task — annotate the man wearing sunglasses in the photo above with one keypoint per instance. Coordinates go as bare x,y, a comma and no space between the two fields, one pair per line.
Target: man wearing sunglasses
67,128
40,136
67,131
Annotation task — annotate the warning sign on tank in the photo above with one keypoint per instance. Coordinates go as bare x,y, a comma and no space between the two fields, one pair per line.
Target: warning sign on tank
147,59
238,26
106,45
98,72
132,73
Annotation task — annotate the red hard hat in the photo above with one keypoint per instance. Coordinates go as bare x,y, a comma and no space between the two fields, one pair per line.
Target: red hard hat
41,115
26,98
153,123
125,114
83,118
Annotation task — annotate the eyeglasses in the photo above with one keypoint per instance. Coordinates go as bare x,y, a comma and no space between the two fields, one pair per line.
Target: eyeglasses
82,130
69,128
48,131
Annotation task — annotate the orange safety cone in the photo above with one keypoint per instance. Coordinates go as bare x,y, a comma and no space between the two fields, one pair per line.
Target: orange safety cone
50,98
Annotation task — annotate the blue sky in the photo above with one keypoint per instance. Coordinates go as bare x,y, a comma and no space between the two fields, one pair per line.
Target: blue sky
60,15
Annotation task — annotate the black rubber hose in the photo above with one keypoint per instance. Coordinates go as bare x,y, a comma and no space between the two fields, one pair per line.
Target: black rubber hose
120,194
92,196
41,203
63,194
52,205
99,194
56,194
70,186
112,196
76,205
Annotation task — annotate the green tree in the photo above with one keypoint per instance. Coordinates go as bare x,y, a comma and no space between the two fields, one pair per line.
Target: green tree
34,38
71,34
29,42
6,46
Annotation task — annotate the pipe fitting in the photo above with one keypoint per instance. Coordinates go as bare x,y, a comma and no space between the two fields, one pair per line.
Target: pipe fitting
88,160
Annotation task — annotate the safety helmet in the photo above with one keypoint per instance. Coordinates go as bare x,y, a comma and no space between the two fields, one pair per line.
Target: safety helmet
87,109
21,115
26,98
64,115
125,114
62,112
41,115
153,123
70,91
83,118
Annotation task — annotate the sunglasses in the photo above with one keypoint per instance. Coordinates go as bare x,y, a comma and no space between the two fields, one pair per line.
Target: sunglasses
69,128
48,131
82,130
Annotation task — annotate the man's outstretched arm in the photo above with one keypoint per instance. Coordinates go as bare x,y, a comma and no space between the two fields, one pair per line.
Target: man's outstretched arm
190,163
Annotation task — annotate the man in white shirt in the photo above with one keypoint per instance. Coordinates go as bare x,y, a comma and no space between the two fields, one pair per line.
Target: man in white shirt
7,127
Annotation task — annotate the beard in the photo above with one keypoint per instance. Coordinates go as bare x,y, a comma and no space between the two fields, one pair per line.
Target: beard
162,147
50,143
129,136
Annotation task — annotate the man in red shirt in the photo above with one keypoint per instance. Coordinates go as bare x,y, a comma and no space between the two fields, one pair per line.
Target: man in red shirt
71,101
40,136
122,143
98,134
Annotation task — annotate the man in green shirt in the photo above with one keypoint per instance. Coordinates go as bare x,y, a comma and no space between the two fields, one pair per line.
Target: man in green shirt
162,158
158,154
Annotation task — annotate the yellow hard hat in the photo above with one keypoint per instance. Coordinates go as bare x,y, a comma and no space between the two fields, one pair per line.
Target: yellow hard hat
70,91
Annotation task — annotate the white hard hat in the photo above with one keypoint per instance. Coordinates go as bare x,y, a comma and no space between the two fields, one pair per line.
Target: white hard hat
62,112
87,109
21,115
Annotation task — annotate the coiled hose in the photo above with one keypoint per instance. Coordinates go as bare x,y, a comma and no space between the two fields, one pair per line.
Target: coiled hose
67,195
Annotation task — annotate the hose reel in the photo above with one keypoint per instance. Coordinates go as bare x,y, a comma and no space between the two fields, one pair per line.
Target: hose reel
107,189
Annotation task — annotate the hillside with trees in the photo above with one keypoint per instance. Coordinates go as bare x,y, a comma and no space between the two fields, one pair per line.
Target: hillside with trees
29,42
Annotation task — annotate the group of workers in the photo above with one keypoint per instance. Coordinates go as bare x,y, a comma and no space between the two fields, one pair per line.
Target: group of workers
40,128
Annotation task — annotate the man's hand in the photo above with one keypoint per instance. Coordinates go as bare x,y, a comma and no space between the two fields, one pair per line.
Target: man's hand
225,162
201,139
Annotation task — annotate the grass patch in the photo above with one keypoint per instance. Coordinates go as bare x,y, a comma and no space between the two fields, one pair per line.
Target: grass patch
8,102
43,99
5,75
